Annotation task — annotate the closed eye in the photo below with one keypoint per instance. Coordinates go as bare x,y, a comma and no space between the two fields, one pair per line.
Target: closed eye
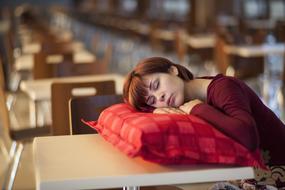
150,100
156,84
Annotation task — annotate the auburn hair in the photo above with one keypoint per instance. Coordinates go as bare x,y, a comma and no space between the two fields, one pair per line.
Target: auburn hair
135,90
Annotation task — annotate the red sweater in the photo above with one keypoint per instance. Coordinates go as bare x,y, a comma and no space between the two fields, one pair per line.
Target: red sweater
234,109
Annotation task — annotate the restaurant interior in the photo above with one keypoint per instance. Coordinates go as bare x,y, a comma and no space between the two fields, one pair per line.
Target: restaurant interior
51,49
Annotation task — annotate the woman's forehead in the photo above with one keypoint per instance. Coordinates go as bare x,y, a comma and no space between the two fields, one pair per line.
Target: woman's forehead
149,77
153,76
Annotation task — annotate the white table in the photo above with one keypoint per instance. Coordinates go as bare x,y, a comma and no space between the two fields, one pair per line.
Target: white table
255,50
40,90
199,41
164,34
26,61
89,162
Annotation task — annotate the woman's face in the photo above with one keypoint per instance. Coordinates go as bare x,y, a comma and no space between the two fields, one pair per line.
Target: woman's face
164,89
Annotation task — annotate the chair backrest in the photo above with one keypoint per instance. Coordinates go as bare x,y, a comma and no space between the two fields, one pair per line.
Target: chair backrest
42,69
2,78
283,81
220,56
68,68
4,119
61,92
57,47
88,108
280,30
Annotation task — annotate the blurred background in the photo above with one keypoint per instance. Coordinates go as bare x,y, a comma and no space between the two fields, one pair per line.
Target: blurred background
42,39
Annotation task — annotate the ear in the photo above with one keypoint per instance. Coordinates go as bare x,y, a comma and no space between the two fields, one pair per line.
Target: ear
173,70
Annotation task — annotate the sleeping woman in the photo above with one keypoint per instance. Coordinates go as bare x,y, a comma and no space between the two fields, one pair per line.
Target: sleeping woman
157,85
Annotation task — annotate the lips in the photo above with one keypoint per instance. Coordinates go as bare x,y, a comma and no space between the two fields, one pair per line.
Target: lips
171,100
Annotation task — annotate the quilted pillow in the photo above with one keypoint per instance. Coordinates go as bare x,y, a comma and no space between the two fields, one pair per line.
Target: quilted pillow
170,138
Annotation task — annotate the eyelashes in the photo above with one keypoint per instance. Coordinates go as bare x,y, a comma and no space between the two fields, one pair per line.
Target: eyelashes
153,86
150,100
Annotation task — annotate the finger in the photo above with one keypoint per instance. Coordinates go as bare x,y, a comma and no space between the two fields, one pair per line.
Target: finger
176,110
184,108
182,112
160,111
168,111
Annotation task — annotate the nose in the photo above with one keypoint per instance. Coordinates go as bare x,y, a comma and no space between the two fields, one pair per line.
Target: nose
160,96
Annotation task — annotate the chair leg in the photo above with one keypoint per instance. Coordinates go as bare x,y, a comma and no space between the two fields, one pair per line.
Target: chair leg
131,188
4,150
10,102
13,149
13,168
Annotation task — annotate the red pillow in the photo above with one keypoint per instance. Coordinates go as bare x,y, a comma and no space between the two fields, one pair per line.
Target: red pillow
170,138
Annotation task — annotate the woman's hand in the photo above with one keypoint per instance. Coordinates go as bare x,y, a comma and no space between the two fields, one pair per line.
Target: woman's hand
188,106
168,110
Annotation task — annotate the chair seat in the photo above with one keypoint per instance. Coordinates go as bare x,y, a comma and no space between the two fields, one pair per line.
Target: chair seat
29,133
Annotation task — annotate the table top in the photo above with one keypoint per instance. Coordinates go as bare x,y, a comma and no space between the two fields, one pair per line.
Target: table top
89,162
40,89
165,34
199,41
26,61
255,50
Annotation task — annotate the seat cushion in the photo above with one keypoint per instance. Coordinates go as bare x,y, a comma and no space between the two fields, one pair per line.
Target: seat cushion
170,138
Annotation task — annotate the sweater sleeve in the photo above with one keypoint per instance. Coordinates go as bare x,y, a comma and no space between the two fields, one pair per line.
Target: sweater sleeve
230,112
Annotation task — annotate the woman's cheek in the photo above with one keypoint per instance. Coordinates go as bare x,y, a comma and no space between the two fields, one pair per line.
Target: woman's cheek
179,101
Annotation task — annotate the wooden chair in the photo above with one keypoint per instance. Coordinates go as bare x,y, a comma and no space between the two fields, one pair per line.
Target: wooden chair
179,45
2,78
88,108
220,56
57,47
280,30
68,68
12,141
283,81
8,54
44,70
61,92
18,134
243,67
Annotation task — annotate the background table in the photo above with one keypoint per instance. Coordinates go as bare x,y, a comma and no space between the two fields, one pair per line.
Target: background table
200,41
89,162
40,90
255,50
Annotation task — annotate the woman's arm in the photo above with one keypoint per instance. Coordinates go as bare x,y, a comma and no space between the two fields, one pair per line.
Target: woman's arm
230,113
